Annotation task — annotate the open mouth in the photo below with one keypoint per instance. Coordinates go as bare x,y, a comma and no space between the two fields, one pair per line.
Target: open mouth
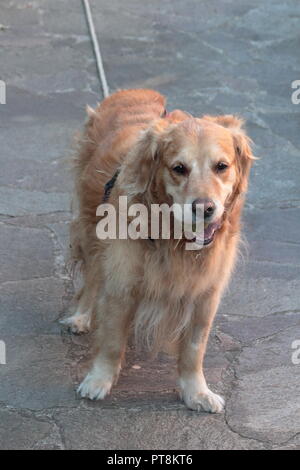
208,234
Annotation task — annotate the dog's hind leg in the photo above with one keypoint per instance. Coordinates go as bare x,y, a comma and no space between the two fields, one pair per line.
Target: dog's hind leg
80,321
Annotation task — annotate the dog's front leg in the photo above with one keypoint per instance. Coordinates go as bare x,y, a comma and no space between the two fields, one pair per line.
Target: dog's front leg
113,319
194,390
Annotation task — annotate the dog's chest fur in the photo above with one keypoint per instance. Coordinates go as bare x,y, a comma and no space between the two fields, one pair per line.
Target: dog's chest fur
165,285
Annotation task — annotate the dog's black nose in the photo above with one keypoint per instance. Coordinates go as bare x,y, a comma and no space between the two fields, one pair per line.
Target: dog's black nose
206,205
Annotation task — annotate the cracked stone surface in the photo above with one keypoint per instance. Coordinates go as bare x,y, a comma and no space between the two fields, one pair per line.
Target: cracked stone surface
27,431
171,429
207,57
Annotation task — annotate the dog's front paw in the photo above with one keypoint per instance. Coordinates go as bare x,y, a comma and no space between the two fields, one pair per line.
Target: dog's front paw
95,386
208,401
78,324
198,397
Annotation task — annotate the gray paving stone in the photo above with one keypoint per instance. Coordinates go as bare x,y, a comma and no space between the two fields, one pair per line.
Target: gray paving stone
26,107
256,19
34,142
281,189
275,225
23,431
146,429
62,234
247,330
14,202
58,64
59,18
18,12
36,175
259,289
273,351
26,253
274,252
285,125
293,444
31,307
265,402
37,373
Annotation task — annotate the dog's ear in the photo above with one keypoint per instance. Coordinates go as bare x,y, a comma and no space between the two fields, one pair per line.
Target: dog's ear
242,144
143,160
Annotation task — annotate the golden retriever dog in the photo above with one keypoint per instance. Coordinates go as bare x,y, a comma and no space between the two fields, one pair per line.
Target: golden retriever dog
166,293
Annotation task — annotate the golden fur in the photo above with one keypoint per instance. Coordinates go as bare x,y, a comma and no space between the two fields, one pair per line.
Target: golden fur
167,294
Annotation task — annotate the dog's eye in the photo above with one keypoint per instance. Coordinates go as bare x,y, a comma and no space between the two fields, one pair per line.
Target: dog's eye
180,169
221,166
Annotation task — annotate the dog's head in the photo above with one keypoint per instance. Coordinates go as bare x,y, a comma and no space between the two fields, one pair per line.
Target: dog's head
201,163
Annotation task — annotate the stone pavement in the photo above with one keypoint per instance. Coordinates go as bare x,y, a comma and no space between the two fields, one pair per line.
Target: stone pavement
234,56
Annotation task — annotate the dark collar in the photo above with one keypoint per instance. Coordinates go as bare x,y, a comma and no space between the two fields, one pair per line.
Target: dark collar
109,186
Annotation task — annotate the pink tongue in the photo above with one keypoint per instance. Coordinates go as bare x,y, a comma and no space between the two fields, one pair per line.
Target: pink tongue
209,230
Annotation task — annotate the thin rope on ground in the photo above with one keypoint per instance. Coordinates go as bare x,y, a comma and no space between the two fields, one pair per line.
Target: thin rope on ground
98,56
